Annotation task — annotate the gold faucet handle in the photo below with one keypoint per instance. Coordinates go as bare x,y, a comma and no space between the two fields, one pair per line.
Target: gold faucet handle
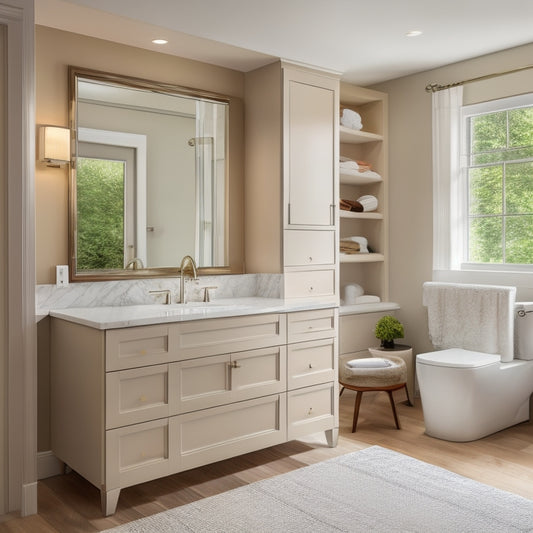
166,292
207,297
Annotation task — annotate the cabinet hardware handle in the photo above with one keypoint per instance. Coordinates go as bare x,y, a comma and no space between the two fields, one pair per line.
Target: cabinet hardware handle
142,398
310,411
311,289
310,259
310,365
234,364
143,352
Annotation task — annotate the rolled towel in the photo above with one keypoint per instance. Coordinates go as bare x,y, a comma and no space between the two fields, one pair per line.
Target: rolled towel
352,291
369,202
369,362
351,119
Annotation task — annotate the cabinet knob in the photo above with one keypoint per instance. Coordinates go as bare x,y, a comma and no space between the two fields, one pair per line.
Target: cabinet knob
143,352
311,289
310,365
310,259
142,398
310,411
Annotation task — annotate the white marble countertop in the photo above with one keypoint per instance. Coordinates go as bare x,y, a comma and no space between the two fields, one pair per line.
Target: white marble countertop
140,315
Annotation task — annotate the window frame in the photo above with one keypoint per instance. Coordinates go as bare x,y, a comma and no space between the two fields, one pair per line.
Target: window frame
461,213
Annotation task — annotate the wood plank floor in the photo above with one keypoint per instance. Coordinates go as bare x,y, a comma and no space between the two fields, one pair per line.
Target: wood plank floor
69,504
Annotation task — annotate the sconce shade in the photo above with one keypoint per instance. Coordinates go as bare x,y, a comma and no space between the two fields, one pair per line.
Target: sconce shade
54,144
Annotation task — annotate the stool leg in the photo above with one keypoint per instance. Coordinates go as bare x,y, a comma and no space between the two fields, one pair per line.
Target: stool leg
409,402
340,393
389,392
356,409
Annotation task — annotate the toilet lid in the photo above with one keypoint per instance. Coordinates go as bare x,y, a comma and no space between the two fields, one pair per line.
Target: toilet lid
458,358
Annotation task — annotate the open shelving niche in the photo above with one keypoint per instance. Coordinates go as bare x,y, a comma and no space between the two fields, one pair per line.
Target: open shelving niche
371,270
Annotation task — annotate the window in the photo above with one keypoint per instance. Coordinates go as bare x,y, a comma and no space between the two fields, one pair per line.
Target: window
496,185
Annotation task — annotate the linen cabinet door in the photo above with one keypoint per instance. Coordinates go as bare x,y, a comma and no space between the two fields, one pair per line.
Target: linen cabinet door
310,147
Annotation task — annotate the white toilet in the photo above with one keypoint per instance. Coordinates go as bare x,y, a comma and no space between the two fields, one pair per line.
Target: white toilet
468,395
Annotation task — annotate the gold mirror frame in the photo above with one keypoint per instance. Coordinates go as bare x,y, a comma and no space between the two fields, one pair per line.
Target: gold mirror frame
152,86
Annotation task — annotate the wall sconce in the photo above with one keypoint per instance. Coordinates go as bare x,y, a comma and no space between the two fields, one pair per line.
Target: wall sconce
54,145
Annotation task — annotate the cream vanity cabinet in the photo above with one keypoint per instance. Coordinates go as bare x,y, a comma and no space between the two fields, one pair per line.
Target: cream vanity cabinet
133,404
291,191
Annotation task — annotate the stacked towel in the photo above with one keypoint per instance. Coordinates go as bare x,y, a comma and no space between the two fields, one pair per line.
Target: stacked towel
473,317
351,119
357,164
347,242
350,247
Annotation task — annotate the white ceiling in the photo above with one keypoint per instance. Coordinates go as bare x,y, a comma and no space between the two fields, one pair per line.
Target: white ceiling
363,40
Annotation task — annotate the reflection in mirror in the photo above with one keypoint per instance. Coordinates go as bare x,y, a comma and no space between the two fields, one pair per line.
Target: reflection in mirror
149,180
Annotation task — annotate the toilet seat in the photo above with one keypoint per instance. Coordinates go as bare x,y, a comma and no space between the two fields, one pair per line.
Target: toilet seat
458,358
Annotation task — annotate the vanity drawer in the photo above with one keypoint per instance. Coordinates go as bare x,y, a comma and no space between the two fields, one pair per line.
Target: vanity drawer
310,325
140,346
234,334
311,409
141,452
137,395
307,247
221,432
309,283
217,380
311,363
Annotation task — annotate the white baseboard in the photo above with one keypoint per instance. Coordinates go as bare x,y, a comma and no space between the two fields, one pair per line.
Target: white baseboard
29,499
48,465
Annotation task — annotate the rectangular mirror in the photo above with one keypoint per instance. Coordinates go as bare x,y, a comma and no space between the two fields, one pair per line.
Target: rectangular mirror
149,177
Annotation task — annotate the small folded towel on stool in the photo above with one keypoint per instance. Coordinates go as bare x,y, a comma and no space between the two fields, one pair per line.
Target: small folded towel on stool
369,362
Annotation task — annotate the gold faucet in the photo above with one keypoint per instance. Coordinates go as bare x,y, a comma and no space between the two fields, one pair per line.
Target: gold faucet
135,263
187,264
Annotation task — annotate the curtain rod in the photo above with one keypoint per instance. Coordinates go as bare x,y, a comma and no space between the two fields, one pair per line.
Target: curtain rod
434,87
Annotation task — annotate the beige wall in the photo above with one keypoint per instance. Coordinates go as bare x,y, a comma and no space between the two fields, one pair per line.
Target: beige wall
55,51
410,164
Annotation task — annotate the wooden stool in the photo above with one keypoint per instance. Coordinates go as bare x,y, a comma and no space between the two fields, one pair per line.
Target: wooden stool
387,379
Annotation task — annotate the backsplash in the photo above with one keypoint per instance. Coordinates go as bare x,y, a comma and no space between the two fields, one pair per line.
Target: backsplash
136,292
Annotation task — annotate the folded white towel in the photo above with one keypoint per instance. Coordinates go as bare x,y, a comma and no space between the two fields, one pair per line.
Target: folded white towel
363,243
351,119
349,165
367,299
369,362
473,317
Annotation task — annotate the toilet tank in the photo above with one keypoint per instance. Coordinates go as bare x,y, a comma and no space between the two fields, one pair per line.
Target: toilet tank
523,323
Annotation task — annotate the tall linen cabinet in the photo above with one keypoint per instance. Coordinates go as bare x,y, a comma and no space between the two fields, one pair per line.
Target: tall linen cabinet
291,187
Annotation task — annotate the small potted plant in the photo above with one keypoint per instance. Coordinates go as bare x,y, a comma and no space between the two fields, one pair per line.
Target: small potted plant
387,329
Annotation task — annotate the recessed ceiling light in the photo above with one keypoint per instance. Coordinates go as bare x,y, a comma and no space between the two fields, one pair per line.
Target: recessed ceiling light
159,41
413,33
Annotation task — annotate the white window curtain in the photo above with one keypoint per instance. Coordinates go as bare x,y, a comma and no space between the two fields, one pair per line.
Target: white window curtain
448,200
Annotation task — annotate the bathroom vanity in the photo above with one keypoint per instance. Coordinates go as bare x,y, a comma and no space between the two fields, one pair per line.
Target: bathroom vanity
139,394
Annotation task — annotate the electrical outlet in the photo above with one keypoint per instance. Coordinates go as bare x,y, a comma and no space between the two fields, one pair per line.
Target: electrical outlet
61,275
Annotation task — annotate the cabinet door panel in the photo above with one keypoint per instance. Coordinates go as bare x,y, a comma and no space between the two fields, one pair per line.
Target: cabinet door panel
310,363
258,372
303,247
136,395
310,152
310,325
312,409
141,452
214,434
202,383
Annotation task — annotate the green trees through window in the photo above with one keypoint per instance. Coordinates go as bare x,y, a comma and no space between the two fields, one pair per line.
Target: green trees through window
100,197
500,187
